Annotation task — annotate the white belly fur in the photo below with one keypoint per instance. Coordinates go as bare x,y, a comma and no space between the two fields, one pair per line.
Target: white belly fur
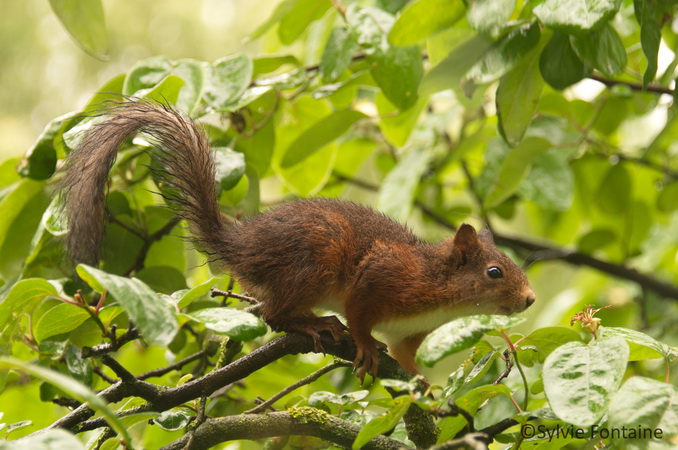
397,329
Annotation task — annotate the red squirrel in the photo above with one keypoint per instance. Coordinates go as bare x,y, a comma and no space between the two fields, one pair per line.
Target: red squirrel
308,254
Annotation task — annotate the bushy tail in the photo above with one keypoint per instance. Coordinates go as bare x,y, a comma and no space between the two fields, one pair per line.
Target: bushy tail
187,166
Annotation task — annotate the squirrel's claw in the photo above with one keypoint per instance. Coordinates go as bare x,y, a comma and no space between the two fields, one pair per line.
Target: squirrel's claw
367,360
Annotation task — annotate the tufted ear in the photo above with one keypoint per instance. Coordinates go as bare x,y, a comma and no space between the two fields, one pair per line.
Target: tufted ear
466,243
485,236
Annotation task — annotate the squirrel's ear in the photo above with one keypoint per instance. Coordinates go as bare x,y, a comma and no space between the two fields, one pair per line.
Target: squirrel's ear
485,236
466,243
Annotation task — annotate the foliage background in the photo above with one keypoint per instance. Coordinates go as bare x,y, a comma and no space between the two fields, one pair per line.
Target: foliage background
606,186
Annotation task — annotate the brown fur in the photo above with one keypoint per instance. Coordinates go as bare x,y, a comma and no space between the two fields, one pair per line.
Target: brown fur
306,254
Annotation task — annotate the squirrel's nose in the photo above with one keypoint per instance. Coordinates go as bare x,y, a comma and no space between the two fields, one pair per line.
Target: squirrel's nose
530,299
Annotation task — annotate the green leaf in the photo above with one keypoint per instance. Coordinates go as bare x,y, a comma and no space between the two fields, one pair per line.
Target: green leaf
614,193
651,19
147,74
461,334
338,54
19,196
258,149
193,73
397,125
134,419
72,388
580,379
398,71
18,425
320,397
469,402
111,90
548,339
422,18
239,325
39,162
667,200
266,64
489,16
641,345
455,380
559,64
319,135
78,368
152,315
596,239
550,183
297,19
517,98
601,49
643,402
309,178
164,279
185,298
173,419
22,295
226,81
572,16
449,72
371,26
279,12
58,320
230,166
55,439
514,169
351,155
85,22
167,91
88,334
8,174
505,54
482,367
383,423
397,192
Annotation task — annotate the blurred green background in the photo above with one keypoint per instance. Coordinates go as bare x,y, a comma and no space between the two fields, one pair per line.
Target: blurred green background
45,74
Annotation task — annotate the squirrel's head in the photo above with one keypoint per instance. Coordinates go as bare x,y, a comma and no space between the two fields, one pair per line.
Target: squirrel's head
492,283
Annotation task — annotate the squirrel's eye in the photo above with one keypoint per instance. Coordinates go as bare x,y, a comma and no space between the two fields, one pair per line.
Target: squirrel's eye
495,272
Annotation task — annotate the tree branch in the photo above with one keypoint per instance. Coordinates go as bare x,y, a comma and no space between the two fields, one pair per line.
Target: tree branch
298,421
419,424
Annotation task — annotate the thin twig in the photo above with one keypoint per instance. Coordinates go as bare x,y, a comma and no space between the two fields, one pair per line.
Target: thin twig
150,240
130,335
304,381
103,376
177,365
652,87
509,366
117,368
456,410
245,298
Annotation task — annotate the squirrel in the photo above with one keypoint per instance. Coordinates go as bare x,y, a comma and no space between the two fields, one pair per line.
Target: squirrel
308,254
